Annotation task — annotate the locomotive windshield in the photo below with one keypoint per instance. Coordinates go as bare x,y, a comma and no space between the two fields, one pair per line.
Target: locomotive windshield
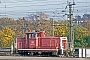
33,34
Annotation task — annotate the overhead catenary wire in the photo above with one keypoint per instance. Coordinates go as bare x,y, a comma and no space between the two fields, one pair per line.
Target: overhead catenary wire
24,4
14,14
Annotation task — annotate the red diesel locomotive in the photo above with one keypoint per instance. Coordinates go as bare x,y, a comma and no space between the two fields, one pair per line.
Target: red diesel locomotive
36,43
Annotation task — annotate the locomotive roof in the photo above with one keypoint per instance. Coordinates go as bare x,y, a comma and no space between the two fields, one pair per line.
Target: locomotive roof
32,32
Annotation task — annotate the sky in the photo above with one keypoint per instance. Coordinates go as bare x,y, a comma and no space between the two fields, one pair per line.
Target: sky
23,8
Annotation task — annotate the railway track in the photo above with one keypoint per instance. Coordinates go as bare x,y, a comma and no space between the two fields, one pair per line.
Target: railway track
61,56
38,55
34,55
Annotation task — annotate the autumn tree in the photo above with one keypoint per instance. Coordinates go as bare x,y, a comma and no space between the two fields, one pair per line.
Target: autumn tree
87,25
79,33
79,36
6,36
44,24
61,29
37,16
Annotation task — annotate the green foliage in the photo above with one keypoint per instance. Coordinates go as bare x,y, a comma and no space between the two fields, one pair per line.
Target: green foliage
87,38
79,34
81,43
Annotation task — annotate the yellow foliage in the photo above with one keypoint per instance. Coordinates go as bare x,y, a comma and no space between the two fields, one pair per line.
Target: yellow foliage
80,32
6,35
61,30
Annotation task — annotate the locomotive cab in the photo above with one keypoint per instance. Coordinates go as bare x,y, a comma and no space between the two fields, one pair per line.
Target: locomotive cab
32,34
35,34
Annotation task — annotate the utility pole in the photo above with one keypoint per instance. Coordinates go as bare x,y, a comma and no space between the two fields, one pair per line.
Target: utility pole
52,26
23,27
71,35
